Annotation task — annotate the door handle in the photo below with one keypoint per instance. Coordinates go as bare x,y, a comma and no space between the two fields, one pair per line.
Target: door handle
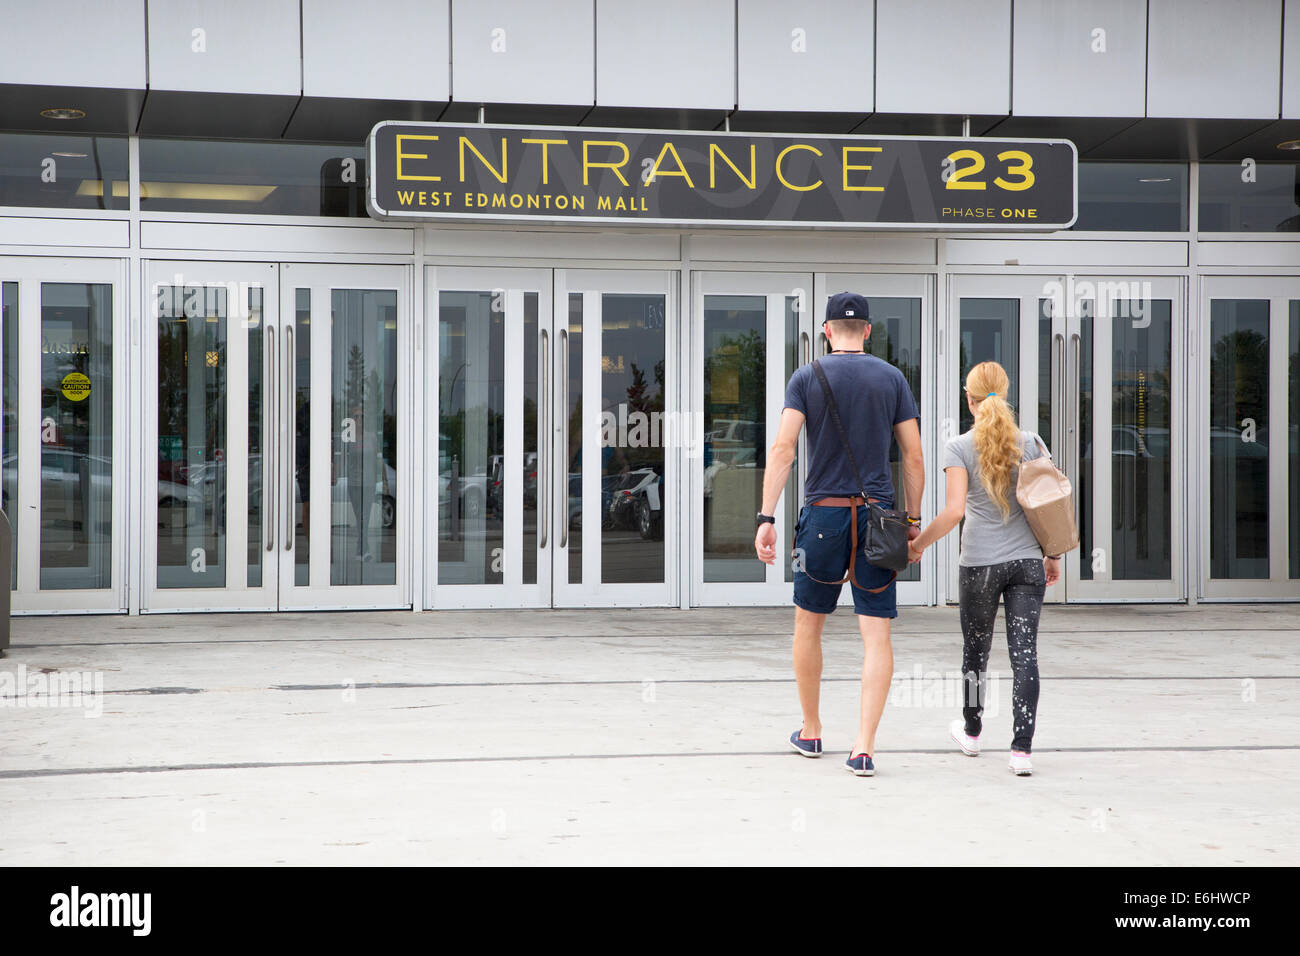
290,450
805,342
1074,417
270,406
1058,428
564,433
544,446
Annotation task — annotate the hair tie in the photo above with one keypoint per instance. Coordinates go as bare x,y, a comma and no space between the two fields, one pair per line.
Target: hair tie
990,394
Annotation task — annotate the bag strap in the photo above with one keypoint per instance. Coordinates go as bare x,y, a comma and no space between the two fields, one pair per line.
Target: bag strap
833,409
1038,440
851,575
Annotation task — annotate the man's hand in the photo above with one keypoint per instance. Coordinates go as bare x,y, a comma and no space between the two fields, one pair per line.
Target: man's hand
765,542
913,553
1052,567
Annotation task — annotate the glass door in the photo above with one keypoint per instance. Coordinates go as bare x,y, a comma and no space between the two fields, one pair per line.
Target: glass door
250,417
617,436
1248,438
343,464
747,338
490,393
901,308
1065,340
62,338
209,530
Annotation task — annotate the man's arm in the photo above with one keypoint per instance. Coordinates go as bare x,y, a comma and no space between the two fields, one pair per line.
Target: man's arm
908,435
779,459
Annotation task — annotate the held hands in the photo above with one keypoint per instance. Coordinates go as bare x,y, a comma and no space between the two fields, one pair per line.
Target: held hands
913,552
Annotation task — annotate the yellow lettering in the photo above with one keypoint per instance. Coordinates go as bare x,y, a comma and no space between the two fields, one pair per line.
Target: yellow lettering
751,182
401,156
404,196
588,165
1021,169
498,200
545,143
501,176
780,157
602,202
654,170
848,166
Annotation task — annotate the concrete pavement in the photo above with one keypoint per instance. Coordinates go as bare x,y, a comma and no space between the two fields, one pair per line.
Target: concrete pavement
1166,735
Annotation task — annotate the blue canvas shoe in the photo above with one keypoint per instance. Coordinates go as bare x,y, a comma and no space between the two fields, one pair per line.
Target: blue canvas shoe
860,766
808,746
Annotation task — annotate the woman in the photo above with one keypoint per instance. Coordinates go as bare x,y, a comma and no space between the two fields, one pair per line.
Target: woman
1000,557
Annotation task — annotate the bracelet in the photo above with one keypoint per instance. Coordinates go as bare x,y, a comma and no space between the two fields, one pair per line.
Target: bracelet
913,520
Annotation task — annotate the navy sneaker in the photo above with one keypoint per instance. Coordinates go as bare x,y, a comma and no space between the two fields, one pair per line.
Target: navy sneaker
860,766
808,746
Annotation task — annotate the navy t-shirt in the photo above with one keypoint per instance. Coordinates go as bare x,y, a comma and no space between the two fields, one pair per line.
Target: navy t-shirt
873,397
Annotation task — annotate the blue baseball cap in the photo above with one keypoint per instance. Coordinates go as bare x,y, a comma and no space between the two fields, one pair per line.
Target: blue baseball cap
847,305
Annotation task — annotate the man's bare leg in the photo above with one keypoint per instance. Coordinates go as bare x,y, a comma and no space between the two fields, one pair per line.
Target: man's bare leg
877,672
808,667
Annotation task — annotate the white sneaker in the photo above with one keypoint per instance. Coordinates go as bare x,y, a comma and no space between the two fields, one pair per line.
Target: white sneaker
970,746
1020,764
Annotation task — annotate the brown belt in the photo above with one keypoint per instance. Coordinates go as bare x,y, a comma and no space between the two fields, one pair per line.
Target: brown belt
851,503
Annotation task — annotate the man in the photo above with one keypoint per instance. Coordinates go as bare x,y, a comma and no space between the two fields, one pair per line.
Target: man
875,404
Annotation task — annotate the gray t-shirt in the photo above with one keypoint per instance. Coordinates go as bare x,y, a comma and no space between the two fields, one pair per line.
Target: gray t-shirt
985,538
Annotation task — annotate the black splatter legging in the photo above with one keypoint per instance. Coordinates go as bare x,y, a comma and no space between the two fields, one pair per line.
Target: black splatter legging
1021,585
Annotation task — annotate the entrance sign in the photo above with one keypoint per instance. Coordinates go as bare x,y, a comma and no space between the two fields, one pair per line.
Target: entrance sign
437,171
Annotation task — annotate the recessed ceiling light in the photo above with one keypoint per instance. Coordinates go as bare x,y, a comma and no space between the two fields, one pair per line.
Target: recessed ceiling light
71,155
1289,144
1156,179
64,113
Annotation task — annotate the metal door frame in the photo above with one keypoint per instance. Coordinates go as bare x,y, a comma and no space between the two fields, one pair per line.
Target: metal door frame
31,273
512,283
1280,291
235,595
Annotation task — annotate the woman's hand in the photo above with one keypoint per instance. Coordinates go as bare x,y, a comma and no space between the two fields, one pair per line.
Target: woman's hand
1052,568
913,552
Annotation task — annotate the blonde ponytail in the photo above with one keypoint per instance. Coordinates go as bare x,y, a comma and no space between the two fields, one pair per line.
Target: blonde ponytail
997,434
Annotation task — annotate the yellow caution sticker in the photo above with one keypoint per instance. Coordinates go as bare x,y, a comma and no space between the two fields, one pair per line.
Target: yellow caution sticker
76,387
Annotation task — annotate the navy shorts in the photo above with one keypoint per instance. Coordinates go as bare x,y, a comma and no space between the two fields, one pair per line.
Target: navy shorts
822,545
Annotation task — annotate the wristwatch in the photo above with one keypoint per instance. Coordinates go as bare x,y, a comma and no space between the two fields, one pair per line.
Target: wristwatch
768,519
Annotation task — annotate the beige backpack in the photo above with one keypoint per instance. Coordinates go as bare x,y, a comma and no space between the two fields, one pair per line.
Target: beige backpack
1045,494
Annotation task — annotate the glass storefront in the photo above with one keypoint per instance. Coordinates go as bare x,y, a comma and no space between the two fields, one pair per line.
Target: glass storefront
1250,197
9,437
632,365
363,469
63,172
1239,487
735,413
263,179
1293,436
556,465
76,436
